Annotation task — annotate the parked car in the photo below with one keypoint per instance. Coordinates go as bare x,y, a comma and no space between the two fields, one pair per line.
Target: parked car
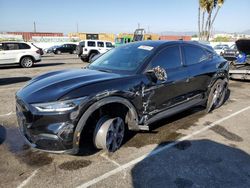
50,49
87,49
26,54
65,48
220,48
128,87
231,53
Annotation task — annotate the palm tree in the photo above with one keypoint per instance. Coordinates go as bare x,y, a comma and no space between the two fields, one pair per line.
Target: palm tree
219,5
202,7
207,7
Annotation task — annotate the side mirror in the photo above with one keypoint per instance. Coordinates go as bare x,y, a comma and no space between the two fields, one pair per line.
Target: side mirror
157,73
94,58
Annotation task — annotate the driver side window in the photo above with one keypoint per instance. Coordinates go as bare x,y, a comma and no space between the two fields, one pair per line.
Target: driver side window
167,58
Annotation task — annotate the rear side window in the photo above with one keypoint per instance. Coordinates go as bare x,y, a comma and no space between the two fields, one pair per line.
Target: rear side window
100,44
194,54
91,43
11,46
82,44
167,58
23,46
1,47
109,45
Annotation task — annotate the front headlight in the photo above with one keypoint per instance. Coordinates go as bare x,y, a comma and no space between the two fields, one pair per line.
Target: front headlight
58,106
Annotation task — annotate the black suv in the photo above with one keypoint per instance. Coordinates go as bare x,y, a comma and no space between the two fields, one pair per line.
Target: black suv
127,87
65,48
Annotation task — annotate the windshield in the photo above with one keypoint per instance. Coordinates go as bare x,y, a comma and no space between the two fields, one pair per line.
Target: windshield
127,58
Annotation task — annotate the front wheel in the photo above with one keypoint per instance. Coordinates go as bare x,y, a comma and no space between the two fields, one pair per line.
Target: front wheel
109,133
217,95
58,52
26,62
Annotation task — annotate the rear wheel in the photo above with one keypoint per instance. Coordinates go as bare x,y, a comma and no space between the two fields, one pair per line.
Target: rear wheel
217,95
58,52
26,62
109,133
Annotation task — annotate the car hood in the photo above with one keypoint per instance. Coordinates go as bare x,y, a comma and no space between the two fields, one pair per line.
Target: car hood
243,45
53,85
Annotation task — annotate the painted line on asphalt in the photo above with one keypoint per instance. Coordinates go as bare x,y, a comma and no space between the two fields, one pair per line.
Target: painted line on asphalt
149,154
25,182
8,114
110,160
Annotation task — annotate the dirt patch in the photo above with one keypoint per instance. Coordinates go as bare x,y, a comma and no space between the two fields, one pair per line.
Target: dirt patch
74,165
226,134
35,158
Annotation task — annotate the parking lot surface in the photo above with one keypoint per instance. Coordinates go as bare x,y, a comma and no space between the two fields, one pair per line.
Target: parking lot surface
190,149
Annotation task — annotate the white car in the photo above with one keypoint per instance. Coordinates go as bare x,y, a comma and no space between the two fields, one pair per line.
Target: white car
220,48
87,49
26,54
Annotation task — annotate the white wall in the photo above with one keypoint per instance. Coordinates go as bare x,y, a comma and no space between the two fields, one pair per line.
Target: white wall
49,44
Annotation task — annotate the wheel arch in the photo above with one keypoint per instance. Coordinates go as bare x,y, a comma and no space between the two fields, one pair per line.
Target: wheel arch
21,58
131,118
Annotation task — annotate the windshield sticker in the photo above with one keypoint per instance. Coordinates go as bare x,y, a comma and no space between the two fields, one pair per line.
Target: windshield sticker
149,48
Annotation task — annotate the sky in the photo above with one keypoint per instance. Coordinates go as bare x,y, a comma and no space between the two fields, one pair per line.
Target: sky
117,16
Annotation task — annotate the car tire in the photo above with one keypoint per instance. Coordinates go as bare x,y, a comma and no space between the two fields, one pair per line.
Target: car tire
109,133
74,52
217,95
58,52
26,62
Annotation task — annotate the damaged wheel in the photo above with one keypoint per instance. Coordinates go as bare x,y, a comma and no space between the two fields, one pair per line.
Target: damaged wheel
109,133
217,95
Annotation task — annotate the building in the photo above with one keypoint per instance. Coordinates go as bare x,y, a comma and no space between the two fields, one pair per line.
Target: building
93,36
27,36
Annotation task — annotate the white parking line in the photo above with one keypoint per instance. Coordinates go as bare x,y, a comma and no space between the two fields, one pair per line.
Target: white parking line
108,159
8,114
137,160
25,182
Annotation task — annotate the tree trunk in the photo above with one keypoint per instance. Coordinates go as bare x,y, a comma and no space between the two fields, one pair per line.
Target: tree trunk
199,23
202,25
215,15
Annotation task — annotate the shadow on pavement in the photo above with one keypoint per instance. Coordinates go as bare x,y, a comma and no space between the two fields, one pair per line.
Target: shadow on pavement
199,163
13,80
2,134
41,64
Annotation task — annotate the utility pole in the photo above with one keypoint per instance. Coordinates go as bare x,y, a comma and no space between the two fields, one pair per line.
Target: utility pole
34,26
77,27
138,25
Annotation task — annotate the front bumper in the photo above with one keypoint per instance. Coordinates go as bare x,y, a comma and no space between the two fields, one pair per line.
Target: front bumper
50,133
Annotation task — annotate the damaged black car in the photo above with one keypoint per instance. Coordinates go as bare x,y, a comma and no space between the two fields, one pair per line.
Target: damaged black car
127,88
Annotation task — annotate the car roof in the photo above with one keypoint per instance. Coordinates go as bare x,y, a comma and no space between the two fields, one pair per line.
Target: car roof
13,42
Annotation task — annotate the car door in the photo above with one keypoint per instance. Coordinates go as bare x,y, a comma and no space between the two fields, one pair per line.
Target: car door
3,57
11,52
196,60
100,46
162,95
